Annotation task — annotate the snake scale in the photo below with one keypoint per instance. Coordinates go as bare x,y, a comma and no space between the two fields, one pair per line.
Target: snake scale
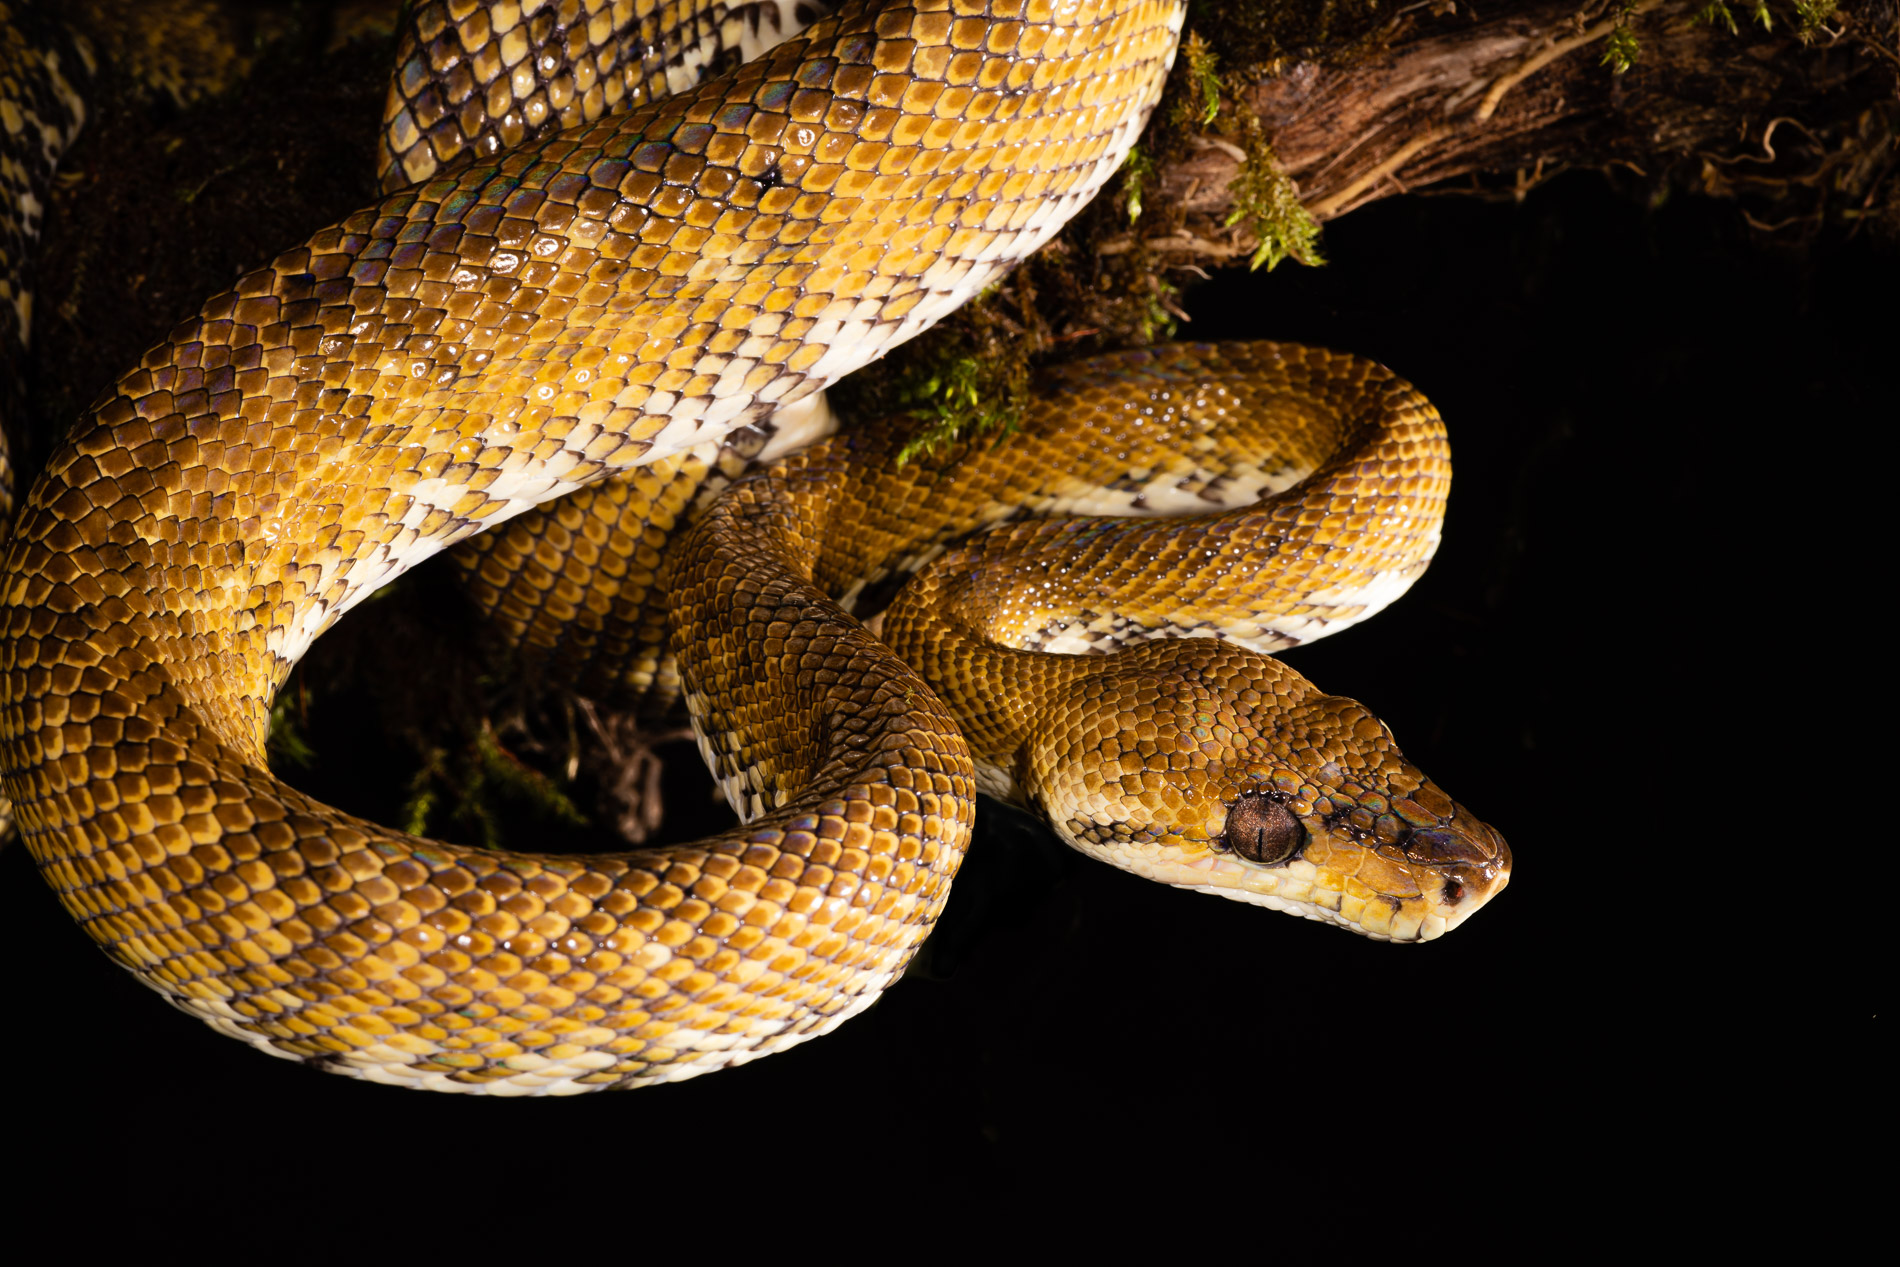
603,307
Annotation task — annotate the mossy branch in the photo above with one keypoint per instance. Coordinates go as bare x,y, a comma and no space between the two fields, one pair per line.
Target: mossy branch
1493,101
1263,196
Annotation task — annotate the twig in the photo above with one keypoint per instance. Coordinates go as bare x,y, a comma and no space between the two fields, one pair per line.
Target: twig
1537,61
1203,142
1338,204
1340,157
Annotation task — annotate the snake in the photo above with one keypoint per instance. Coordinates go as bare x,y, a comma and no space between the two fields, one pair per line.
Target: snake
605,306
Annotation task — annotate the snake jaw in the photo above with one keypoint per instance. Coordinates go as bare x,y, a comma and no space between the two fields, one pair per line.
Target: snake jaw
1368,891
1335,881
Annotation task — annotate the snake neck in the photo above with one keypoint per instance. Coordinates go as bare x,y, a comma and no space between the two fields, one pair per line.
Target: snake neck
790,697
946,623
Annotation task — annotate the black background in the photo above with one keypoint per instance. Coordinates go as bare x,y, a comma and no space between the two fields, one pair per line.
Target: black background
1631,656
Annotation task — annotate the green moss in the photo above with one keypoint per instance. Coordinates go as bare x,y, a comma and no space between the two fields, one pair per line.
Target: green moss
965,397
1717,12
419,808
1158,322
1811,15
287,742
1137,170
514,778
1264,195
1267,197
966,378
1804,16
1201,102
1622,48
465,798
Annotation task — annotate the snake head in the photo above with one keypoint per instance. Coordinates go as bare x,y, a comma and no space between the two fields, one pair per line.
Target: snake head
1204,765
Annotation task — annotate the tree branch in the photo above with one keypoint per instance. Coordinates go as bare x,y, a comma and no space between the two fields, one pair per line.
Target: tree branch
1507,98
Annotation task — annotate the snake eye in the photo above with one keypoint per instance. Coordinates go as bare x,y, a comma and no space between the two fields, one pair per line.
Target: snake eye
1262,830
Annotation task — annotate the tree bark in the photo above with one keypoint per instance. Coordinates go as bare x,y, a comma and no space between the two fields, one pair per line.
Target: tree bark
1495,99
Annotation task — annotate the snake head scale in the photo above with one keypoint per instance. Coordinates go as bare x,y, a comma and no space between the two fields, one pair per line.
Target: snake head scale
1210,767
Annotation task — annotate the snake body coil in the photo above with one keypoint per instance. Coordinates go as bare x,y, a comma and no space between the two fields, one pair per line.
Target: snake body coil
432,365
626,293
1106,672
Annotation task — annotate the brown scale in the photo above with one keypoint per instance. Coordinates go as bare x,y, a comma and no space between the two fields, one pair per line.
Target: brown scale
595,301
571,583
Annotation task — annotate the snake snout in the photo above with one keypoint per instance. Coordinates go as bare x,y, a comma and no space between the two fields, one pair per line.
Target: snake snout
1471,856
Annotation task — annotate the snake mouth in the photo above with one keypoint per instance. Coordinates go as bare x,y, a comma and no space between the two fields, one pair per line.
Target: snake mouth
1378,917
1504,854
1414,890
1390,909
1377,893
